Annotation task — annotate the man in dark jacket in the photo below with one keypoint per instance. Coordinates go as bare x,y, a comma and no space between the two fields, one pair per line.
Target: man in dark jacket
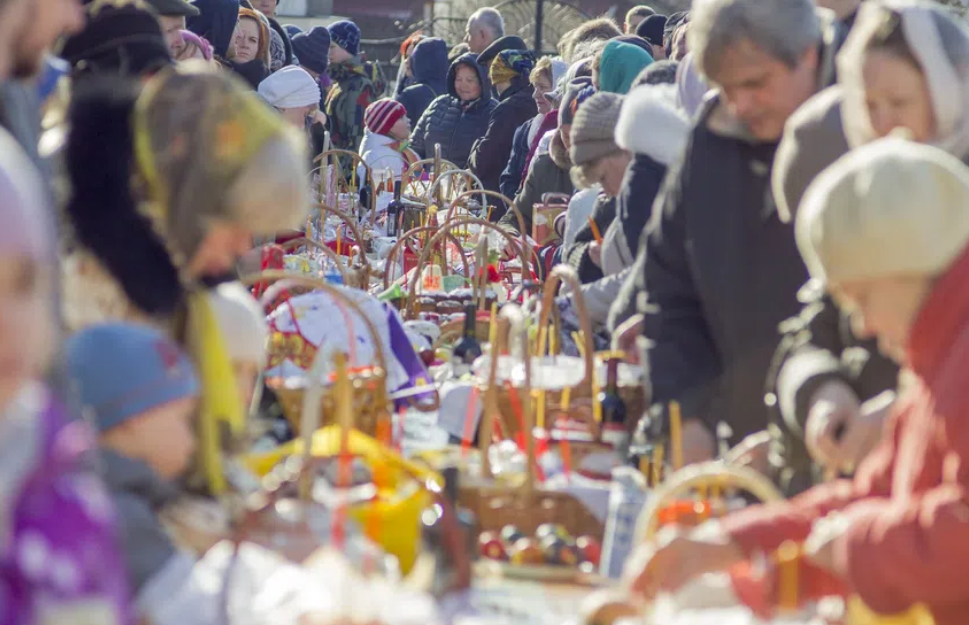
721,270
509,73
458,118
427,68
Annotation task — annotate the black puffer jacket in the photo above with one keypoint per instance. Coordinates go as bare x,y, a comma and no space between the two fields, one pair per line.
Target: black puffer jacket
454,124
430,68
490,155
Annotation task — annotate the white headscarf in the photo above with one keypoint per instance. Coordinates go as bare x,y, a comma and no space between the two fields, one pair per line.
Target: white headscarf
940,46
290,88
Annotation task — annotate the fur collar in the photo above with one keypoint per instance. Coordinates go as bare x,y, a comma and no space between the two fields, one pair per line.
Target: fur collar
558,153
652,123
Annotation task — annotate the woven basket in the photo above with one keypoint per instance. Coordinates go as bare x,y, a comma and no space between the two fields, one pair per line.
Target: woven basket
406,241
324,159
415,187
529,505
371,401
711,475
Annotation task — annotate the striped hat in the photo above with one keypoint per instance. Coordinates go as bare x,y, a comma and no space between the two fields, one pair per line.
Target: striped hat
382,115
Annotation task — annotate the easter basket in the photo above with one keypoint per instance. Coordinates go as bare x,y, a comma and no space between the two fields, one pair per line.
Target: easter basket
529,504
709,477
369,383
332,159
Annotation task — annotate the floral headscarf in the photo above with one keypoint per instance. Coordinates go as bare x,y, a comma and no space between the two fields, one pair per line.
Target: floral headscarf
511,64
197,130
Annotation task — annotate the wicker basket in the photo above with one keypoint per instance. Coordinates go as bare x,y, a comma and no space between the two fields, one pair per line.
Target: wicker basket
530,505
369,383
412,184
324,159
406,241
715,475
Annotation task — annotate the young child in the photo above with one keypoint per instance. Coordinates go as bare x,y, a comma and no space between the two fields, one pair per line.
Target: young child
386,145
353,90
245,331
141,391
59,560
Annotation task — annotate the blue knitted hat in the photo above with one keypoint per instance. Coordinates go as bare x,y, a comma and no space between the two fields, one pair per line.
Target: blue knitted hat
125,370
313,49
292,30
346,35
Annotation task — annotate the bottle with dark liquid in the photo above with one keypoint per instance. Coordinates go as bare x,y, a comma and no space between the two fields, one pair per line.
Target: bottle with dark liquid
614,430
468,348
394,210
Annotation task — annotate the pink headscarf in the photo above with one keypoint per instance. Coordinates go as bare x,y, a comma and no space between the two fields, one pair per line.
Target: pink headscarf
194,45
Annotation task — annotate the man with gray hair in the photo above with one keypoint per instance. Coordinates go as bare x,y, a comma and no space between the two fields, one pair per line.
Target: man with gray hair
721,271
484,27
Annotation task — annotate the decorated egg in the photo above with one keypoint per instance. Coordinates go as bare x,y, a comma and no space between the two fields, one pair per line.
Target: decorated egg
510,534
590,549
552,529
556,551
527,552
492,547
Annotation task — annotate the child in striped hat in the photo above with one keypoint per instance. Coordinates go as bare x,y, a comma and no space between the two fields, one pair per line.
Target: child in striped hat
386,144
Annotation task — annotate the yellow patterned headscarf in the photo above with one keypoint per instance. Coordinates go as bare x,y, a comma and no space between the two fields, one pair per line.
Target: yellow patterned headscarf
196,130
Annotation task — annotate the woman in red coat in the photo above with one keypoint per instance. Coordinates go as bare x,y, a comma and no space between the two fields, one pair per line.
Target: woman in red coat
887,229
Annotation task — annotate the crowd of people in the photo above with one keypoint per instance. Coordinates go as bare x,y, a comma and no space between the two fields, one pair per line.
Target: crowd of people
764,208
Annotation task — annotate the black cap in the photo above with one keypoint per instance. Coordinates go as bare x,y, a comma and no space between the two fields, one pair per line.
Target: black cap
651,29
174,8
508,42
119,38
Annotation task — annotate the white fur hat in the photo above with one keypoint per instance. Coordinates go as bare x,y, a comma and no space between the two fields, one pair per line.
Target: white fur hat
890,208
242,321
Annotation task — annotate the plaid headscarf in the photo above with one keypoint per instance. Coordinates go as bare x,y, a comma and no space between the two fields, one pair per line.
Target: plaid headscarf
510,64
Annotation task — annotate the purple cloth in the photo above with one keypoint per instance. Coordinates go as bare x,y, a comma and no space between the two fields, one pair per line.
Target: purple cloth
417,375
61,563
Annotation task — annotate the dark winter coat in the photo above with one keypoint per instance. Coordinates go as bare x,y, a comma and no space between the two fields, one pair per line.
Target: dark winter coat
492,151
721,272
818,346
454,124
511,178
577,255
347,102
550,174
655,129
430,68
216,22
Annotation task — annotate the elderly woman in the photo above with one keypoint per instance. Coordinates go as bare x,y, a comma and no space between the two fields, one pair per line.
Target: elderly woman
886,229
455,120
544,79
617,65
163,206
904,65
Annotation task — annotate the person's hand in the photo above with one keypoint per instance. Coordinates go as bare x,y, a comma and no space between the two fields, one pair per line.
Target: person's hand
820,543
864,431
834,406
512,248
624,338
595,253
675,558
699,444
753,452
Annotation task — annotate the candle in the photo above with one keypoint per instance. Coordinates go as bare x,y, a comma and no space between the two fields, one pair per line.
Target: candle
676,435
658,465
493,330
339,240
788,563
595,231
540,409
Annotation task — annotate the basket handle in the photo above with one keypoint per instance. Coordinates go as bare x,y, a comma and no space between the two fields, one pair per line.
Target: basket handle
452,172
511,323
561,198
411,234
707,474
333,256
357,160
346,219
408,175
445,229
564,273
492,194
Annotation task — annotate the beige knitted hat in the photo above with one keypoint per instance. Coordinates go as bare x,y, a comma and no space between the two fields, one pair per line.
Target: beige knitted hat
594,128
890,208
